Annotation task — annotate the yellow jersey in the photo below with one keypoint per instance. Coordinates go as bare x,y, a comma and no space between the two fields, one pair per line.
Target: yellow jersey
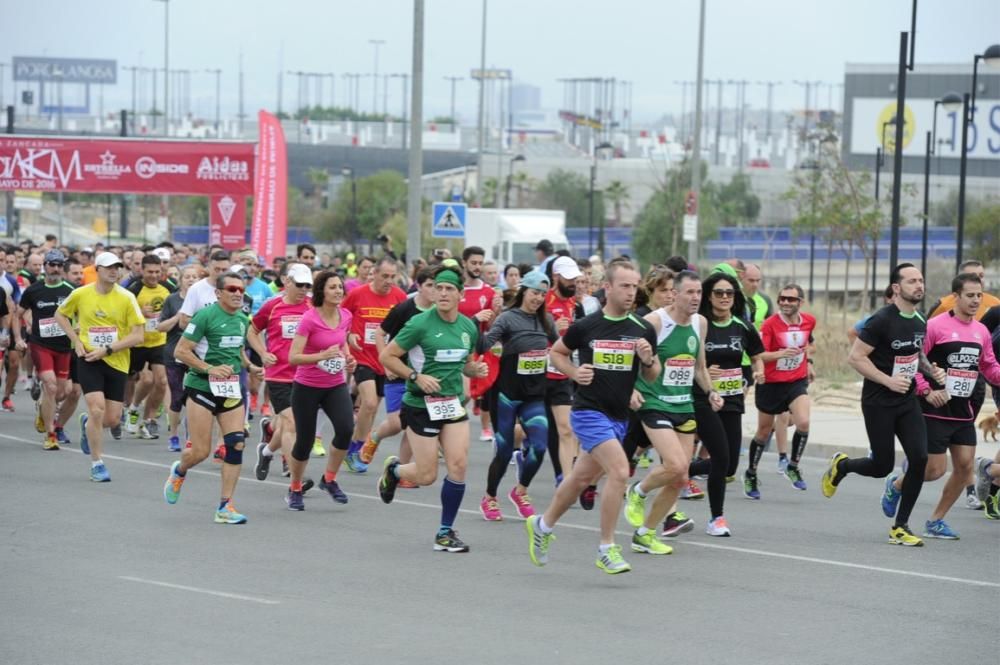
152,297
104,318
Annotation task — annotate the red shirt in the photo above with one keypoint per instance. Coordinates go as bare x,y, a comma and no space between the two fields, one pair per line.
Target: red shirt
559,308
279,321
369,309
777,335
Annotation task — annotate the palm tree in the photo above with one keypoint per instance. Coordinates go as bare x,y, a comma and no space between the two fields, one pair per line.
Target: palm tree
319,179
524,183
617,193
489,195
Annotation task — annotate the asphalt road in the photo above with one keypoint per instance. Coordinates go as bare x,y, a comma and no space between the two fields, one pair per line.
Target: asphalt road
108,573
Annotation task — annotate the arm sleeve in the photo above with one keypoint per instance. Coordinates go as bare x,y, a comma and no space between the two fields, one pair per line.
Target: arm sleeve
872,331
767,336
262,316
133,315
192,303
306,324
650,336
574,333
553,335
391,323
195,330
991,319
494,334
69,306
409,336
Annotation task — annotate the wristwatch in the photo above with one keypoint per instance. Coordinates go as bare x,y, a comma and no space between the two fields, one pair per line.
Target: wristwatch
412,377
107,347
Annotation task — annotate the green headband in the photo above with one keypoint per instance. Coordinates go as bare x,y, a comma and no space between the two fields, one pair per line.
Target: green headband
448,277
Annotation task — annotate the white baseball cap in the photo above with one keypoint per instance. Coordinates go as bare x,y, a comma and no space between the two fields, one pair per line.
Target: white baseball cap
300,274
162,253
107,259
566,267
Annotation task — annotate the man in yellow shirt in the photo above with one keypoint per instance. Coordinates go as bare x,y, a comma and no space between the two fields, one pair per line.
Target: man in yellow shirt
947,303
110,323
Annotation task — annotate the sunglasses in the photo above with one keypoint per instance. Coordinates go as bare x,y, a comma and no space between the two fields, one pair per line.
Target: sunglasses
232,288
303,285
54,264
789,299
723,293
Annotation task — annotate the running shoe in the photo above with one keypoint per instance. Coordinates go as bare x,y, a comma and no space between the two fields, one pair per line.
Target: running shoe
152,429
175,445
265,410
649,544
751,489
635,506
294,500
368,450
307,484
132,421
676,524
831,477
449,542
538,542
490,509
692,492
782,465
116,431
730,479
612,561
50,442
62,438
172,488
144,432
84,441
333,489
266,432
890,497
36,388
318,450
718,527
99,473
228,515
407,485
588,497
983,479
901,535
354,464
645,459
7,404
486,435
220,453
522,502
39,423
794,475
388,481
972,502
939,529
263,464
991,507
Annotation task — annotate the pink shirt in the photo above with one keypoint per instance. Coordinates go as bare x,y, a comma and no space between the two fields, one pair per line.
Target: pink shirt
279,321
319,337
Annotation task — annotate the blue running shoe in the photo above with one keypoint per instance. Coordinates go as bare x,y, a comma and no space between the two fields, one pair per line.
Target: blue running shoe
333,489
175,444
84,442
939,529
751,486
62,438
99,474
890,498
354,463
294,500
228,515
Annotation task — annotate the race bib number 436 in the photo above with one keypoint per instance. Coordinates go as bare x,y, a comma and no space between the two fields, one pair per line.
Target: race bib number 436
614,356
102,336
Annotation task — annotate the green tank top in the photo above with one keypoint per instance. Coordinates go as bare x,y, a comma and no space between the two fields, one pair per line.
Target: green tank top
677,349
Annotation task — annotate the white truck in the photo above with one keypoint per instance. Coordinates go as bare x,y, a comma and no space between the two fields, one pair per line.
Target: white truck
510,235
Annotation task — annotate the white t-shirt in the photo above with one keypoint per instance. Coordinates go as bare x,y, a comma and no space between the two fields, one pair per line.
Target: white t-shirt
200,295
5,284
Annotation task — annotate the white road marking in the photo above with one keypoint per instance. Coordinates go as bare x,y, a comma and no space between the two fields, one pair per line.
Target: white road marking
581,527
210,592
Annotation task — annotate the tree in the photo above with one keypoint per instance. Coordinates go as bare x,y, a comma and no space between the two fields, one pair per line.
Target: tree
489,198
737,203
982,232
379,196
618,195
570,192
319,179
523,183
945,213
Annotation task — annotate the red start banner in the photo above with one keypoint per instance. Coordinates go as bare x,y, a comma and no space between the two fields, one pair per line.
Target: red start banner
125,166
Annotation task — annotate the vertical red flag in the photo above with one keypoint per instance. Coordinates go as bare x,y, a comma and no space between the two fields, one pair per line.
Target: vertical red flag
227,222
268,234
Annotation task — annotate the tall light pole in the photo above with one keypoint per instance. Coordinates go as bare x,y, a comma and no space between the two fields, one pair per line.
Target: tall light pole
879,163
415,170
907,44
352,231
510,176
453,80
593,178
406,83
166,66
218,89
696,144
482,110
948,101
376,43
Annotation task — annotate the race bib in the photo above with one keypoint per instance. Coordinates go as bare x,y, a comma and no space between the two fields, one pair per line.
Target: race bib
49,328
532,362
370,329
614,356
960,382
229,387
729,383
905,366
102,336
789,364
679,372
289,324
332,365
151,324
444,408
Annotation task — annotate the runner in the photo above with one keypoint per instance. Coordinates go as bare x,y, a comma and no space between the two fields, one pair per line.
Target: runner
959,345
259,293
525,331
666,411
438,344
73,270
212,347
319,354
110,324
787,373
613,345
481,304
888,355
369,304
560,303
50,348
170,324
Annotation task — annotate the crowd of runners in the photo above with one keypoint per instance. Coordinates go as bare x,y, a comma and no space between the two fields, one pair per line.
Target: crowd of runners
633,384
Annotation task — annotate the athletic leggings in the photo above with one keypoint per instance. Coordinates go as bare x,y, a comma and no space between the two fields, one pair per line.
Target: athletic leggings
336,404
552,441
714,437
531,413
884,424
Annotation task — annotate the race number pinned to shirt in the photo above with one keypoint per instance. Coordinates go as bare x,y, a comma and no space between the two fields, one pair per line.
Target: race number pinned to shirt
679,372
613,355
332,365
791,363
228,387
102,336
960,382
444,408
905,365
151,323
532,362
48,328
289,324
729,383
370,329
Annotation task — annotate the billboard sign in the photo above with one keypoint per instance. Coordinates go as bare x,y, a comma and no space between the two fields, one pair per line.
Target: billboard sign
67,70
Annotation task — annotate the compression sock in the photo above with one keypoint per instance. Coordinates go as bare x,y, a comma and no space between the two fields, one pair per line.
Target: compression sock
799,440
295,486
223,501
329,476
451,500
756,450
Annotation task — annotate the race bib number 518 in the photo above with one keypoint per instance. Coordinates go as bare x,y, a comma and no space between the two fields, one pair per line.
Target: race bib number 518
614,356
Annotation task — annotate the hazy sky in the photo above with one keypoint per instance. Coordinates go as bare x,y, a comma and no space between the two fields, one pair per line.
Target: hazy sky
651,43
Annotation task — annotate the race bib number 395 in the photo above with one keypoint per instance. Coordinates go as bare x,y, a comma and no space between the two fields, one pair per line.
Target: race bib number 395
614,356
444,408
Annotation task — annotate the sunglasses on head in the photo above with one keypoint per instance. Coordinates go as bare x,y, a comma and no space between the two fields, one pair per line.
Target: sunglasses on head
232,288
723,293
789,299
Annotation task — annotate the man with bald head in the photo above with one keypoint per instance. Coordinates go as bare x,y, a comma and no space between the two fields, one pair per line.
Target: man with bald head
759,304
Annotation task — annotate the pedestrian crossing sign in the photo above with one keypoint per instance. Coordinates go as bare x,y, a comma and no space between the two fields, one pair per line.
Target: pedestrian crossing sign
448,220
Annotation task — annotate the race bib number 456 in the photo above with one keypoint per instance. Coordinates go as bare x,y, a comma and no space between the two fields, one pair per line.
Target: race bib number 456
614,356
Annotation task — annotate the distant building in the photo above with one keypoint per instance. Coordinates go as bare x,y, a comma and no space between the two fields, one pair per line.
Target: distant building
525,97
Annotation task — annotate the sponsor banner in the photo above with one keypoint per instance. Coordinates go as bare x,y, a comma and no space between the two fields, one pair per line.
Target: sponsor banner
270,209
67,70
227,222
125,166
869,115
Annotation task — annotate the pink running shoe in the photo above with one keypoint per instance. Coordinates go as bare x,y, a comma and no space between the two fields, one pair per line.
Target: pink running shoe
490,509
522,502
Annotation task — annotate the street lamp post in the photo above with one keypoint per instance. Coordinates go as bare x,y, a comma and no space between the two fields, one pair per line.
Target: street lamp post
949,101
879,163
376,43
218,79
593,178
510,176
348,172
453,80
166,67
